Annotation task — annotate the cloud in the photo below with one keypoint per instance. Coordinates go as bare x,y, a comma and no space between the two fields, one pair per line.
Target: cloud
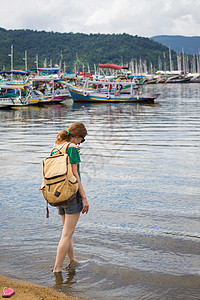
144,17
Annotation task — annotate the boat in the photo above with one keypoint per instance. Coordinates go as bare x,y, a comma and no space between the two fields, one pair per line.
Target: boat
61,96
19,94
195,78
85,94
162,80
51,88
178,79
61,92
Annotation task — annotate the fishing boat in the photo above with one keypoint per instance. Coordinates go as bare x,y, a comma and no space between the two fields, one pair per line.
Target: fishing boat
60,93
85,94
19,94
51,88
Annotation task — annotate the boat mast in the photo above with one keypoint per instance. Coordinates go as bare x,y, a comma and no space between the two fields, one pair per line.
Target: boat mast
36,62
25,59
11,60
183,61
170,59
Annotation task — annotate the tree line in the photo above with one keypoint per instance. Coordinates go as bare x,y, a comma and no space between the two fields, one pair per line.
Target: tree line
78,50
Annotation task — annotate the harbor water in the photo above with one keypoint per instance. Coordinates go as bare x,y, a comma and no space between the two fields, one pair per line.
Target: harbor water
140,170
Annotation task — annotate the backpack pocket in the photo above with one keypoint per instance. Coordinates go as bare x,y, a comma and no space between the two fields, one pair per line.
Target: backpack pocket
60,191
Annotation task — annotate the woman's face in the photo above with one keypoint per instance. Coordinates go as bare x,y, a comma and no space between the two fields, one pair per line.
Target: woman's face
78,139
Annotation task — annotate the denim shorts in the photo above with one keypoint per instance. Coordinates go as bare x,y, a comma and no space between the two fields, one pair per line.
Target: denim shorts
71,208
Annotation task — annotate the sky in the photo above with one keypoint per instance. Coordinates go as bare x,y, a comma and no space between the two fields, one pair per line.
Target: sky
145,18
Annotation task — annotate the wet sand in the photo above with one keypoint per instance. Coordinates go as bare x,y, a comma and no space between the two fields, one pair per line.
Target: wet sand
28,291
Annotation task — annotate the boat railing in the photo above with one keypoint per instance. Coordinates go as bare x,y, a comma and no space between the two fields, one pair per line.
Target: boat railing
114,84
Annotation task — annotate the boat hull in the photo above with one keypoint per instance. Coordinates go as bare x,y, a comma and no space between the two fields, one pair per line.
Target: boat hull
15,102
60,98
84,96
195,80
10,102
178,80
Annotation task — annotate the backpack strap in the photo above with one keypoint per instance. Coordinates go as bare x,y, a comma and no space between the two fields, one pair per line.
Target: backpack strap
47,211
59,149
65,149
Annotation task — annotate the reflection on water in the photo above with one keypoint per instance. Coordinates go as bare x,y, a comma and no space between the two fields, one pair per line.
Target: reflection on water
61,279
140,168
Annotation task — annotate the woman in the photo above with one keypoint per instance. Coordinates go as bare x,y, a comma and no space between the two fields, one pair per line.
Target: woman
70,212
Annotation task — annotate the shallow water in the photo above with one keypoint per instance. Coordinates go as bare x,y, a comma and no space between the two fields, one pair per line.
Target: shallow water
140,169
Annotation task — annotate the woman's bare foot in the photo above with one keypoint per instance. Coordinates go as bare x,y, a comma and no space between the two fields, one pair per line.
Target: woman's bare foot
55,271
73,264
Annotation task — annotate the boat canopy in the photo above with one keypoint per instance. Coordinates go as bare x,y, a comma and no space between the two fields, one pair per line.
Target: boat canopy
49,70
112,66
17,72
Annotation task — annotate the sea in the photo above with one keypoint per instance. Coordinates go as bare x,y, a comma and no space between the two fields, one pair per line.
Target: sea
140,167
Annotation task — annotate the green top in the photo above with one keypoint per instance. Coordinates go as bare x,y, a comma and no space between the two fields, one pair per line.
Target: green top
74,157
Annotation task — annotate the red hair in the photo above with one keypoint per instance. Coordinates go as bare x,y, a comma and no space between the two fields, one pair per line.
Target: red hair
75,129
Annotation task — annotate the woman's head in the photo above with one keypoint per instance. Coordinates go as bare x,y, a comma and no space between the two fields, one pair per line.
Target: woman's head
76,131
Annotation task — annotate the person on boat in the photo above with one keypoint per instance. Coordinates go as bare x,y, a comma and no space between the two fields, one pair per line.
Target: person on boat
118,88
24,92
136,90
70,212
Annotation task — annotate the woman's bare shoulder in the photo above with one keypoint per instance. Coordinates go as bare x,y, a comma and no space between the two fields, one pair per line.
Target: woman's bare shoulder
72,145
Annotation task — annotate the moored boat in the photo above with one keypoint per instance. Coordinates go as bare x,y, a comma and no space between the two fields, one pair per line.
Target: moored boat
195,78
87,95
178,79
61,95
19,95
51,88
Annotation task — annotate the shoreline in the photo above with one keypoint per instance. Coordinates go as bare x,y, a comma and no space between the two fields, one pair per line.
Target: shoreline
28,291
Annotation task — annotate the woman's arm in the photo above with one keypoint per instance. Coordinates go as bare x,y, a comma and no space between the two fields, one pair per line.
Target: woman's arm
81,190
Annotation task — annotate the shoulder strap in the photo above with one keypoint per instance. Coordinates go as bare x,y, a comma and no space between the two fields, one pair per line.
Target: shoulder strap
59,150
64,147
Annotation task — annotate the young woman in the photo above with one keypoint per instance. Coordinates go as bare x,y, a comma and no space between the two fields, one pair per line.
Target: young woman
70,212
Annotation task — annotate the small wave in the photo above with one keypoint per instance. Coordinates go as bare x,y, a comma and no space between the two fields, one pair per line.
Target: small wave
182,234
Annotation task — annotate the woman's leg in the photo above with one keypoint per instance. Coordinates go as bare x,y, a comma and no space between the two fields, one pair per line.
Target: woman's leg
71,248
65,246
63,219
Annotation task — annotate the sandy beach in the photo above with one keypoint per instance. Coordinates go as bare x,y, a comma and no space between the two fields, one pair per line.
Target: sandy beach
28,291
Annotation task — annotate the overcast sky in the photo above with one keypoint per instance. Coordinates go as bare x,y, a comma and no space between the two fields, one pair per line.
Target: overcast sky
137,17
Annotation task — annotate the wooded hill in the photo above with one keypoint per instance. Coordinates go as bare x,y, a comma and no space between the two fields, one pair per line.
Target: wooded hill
78,48
179,43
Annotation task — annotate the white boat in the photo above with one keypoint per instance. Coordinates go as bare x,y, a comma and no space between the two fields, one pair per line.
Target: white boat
195,78
18,94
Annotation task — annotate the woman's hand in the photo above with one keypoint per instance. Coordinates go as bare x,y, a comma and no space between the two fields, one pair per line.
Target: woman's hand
85,206
78,148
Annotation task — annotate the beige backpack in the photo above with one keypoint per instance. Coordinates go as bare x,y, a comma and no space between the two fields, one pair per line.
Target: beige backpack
59,185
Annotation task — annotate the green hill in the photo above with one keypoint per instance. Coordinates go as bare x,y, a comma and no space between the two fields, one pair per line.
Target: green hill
89,49
190,44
